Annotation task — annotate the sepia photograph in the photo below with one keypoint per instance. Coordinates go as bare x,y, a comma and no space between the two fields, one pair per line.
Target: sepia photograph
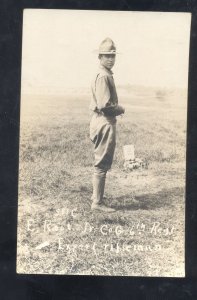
103,128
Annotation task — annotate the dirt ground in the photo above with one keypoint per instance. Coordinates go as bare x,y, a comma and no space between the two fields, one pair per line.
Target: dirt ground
57,231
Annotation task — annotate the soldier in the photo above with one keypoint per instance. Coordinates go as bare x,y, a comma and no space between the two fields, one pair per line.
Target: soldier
104,109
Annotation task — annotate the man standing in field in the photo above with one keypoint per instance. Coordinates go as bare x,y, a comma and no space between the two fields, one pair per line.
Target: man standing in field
104,108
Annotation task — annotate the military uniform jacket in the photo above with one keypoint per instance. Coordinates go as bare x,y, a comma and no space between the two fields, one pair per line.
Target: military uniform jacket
104,96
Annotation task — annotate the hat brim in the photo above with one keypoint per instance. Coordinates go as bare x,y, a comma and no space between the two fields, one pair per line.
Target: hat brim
105,52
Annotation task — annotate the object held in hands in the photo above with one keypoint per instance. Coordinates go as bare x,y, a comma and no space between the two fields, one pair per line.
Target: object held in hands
113,110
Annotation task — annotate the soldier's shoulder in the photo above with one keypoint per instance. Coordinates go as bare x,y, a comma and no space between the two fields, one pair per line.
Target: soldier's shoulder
102,72
100,75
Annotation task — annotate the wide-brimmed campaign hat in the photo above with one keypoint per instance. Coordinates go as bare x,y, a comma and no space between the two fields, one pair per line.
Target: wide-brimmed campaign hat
107,46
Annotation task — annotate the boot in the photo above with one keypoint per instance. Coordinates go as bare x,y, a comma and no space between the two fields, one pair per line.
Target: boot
97,197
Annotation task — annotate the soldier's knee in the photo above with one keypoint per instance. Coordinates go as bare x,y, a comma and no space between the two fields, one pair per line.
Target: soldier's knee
100,172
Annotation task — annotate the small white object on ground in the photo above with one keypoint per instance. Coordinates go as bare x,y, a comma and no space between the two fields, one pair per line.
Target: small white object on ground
131,162
43,245
129,152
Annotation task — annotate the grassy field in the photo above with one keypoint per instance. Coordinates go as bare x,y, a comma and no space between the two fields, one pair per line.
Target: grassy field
57,231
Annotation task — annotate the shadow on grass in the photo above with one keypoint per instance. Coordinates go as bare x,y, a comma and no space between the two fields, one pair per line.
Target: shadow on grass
150,201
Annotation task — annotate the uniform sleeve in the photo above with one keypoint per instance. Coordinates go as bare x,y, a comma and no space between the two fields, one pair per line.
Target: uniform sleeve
102,92
103,95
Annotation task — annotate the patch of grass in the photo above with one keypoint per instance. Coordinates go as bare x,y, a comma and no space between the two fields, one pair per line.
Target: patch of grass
56,160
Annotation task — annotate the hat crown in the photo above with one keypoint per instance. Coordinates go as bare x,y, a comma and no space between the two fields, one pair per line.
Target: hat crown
107,46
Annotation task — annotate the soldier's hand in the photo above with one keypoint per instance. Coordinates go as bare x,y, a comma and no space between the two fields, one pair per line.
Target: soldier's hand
120,110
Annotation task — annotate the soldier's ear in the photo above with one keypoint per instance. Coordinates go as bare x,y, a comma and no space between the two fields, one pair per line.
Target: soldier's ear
99,56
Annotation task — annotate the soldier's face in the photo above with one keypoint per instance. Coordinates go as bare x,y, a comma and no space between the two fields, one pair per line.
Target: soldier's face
108,60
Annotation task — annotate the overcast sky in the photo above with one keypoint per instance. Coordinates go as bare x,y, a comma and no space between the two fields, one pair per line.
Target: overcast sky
58,47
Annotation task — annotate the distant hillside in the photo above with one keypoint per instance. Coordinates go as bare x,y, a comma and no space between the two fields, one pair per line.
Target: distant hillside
126,90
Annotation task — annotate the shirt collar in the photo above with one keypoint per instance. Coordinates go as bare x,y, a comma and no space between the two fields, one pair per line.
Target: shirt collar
106,70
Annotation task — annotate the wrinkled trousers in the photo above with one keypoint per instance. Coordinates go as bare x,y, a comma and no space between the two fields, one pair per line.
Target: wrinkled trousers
103,135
